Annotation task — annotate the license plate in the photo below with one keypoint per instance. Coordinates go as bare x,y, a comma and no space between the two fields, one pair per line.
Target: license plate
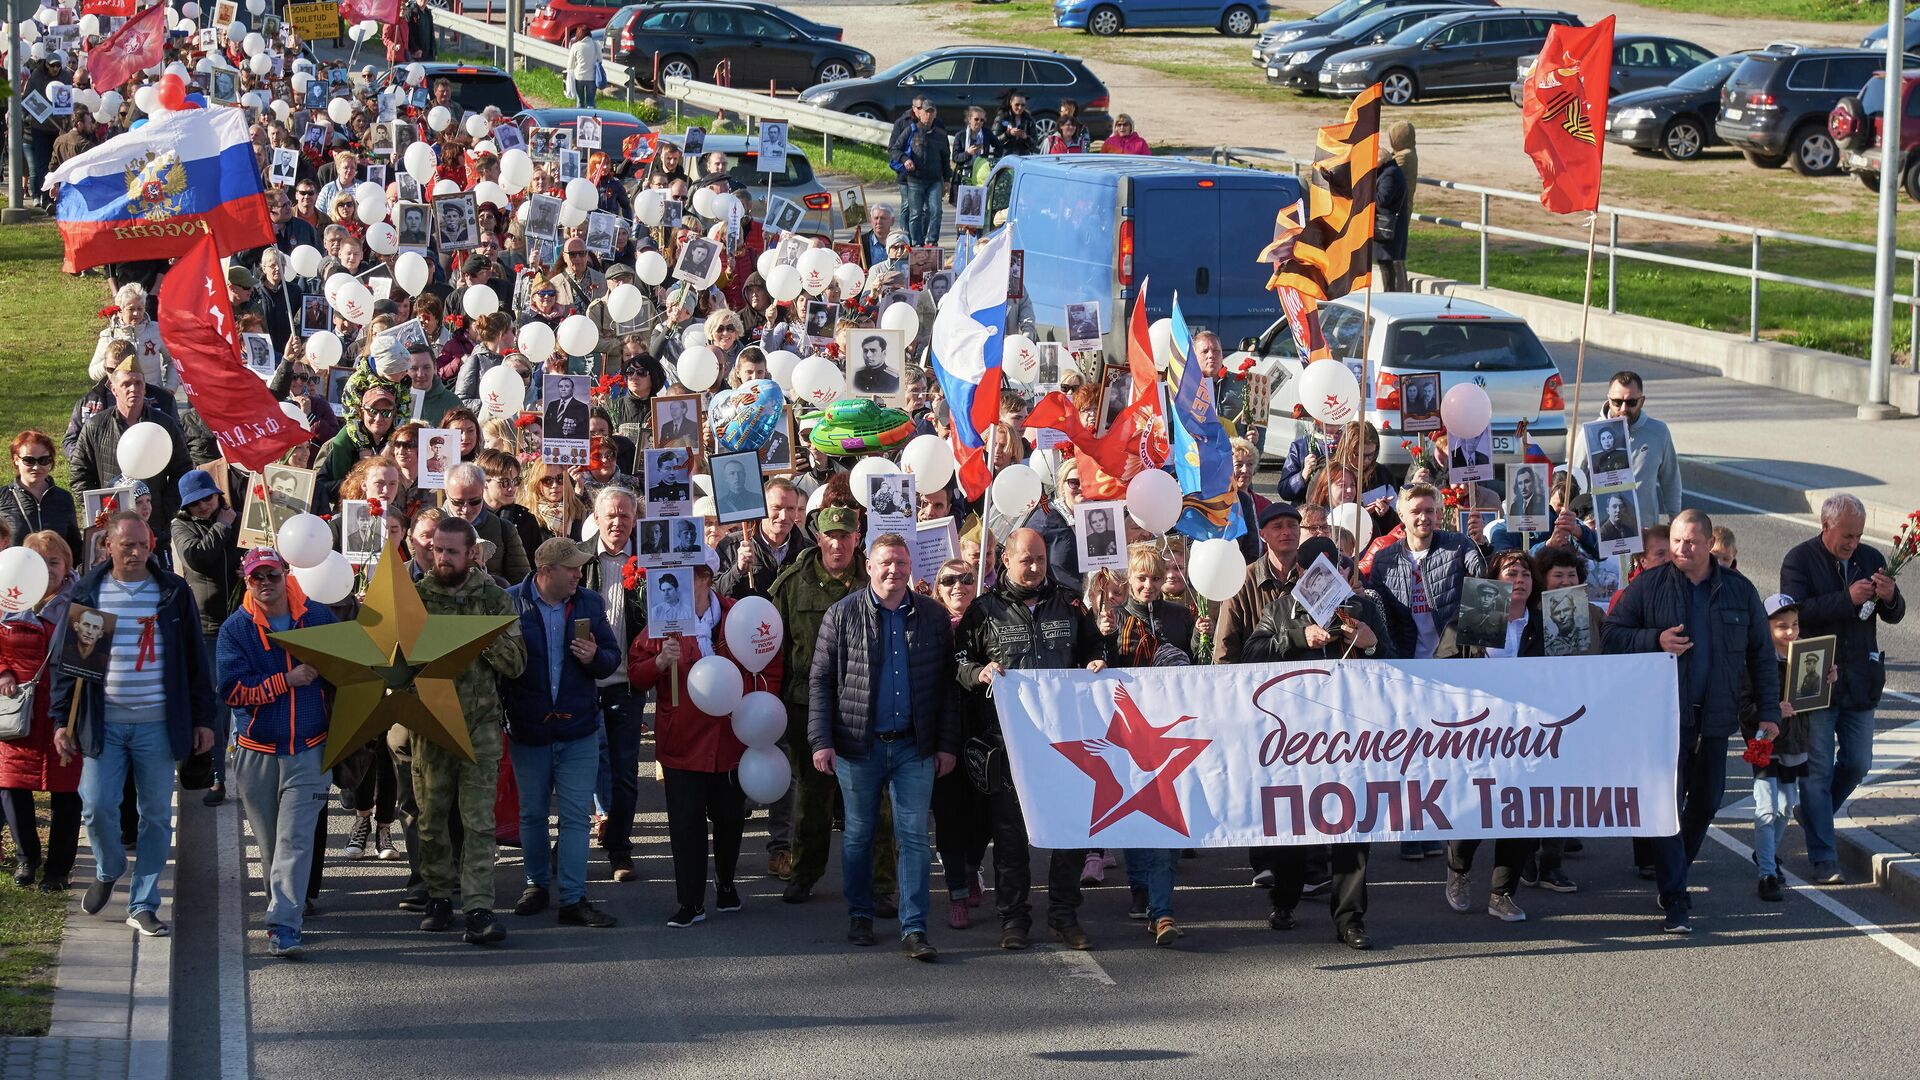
1505,444
1273,73
1733,114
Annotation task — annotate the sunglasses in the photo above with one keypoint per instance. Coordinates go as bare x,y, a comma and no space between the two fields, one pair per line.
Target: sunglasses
463,504
545,480
1625,402
35,461
947,581
412,444
547,294
265,577
506,481
380,413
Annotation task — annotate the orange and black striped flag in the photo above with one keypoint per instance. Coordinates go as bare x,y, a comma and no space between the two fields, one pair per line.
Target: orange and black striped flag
1331,255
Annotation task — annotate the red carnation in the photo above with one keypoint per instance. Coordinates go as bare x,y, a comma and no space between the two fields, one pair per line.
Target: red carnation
632,573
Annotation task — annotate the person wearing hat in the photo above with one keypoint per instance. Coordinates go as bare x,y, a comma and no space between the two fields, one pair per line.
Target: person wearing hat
96,455
584,283
281,711
205,553
921,154
612,330
554,725
1786,758
365,434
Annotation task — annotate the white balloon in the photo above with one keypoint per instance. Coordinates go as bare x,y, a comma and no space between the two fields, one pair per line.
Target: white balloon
360,31
765,263
783,284
477,126
1016,491
89,25
649,205
23,579
816,269
328,583
236,31
577,335
537,341
110,105
1466,411
297,415
703,202
780,365
571,215
694,337
145,449
765,774
256,7
651,266
479,300
488,193
323,349
260,64
1160,335
1329,392
818,380
502,392
1020,358
146,98
703,507
1153,500
1357,522
582,194
366,191
624,302
714,684
754,631
340,110
439,118
190,10
419,162
179,69
516,171
383,238
257,100
849,277
863,473
370,212
699,368
282,111
898,316
487,146
445,187
300,79
253,45
304,260
303,540
353,300
410,273
930,459
703,483
1217,569
760,719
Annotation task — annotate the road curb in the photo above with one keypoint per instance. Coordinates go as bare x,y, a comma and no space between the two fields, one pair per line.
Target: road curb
1714,477
1870,856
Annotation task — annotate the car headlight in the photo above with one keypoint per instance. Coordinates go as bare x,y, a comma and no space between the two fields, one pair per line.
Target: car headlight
864,59
1627,116
1289,35
820,97
1302,57
1352,66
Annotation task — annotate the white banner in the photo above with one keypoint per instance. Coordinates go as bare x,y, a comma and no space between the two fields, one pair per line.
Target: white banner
1328,752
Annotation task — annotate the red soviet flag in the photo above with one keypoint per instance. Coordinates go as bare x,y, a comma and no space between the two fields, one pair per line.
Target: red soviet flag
103,8
196,324
1563,114
380,11
138,45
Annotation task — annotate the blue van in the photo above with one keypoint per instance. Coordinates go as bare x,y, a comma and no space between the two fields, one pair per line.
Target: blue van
1105,18
1096,226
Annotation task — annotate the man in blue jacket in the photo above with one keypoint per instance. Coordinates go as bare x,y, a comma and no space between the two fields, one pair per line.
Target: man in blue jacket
921,156
553,723
1713,621
282,710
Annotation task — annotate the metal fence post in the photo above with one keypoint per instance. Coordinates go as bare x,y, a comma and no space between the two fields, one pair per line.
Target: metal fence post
1613,246
1753,293
826,149
1913,319
1485,204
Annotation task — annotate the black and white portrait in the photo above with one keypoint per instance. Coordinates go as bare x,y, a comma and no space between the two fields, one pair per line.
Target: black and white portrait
784,216
407,189
1420,401
314,139
602,233
507,137
586,133
285,169
1609,457
457,219
671,212
699,261
316,95
1483,612
776,456
1617,520
567,165
543,217
887,495
694,141
791,247
89,643
1101,534
276,494
670,601
1116,393
1047,376
773,147
336,387
414,223
1809,662
667,480
737,494
1083,326
1321,590
1569,629
938,285
1470,460
1526,509
565,407
821,315
876,364
375,174
970,207
258,349
315,315
676,421
380,140
362,533
439,451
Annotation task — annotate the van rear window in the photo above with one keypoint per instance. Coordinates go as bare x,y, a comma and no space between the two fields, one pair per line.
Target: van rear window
1458,345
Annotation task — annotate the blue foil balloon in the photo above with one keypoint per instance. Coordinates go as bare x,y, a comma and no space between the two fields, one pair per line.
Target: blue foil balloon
744,418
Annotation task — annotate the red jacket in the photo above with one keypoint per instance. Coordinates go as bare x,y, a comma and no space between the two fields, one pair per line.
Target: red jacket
30,763
683,736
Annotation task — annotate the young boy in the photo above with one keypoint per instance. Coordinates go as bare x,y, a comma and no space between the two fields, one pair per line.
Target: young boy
1776,784
1726,550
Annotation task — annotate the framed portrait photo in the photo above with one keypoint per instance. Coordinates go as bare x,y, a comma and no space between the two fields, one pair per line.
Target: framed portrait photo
1609,455
1116,392
1100,533
89,643
1809,668
1420,402
1526,505
666,476
456,220
877,365
737,493
677,422
779,453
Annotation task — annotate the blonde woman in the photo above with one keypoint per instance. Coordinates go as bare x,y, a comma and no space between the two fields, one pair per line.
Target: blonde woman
725,337
557,511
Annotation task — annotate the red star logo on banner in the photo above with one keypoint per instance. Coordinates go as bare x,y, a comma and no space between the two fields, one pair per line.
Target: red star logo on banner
1134,767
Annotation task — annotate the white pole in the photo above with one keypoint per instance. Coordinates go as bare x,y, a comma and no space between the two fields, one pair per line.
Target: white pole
1876,407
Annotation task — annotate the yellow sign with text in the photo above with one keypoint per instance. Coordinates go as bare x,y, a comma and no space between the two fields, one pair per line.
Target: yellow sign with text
314,22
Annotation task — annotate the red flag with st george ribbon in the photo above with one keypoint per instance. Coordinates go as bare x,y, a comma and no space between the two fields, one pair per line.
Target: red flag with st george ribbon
196,324
380,11
1135,439
138,45
1563,114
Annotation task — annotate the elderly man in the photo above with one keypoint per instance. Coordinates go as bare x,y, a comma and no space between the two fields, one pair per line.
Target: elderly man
880,716
149,713
1843,589
1713,621
466,497
618,782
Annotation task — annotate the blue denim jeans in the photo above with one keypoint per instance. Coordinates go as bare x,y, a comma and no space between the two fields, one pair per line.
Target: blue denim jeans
897,768
1773,806
563,773
1152,869
1842,755
143,751
920,210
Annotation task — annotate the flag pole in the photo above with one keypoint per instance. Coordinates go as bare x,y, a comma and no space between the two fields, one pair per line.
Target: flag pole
1580,355
986,517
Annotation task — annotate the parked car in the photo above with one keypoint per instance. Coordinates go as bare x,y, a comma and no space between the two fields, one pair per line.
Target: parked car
1774,108
756,44
1909,34
1675,119
475,86
1297,63
1466,52
1465,341
554,20
961,75
1105,18
1639,62
615,127
797,184
1857,128
1339,14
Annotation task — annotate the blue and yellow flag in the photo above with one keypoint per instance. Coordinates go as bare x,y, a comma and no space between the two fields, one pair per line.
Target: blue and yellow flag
1202,455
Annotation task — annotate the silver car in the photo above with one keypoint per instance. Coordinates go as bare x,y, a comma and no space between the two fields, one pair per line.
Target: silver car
1462,340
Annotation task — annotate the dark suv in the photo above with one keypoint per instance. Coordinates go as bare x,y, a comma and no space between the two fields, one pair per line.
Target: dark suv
1471,52
1774,107
752,45
961,75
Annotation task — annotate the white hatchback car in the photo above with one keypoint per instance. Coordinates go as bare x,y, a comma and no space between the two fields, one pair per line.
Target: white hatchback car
1462,340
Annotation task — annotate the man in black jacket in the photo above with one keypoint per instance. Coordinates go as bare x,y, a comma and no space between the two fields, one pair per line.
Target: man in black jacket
921,156
1027,622
95,460
1835,579
1713,621
750,562
880,716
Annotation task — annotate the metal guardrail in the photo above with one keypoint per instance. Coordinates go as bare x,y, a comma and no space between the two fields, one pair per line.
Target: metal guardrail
805,117
1614,250
524,44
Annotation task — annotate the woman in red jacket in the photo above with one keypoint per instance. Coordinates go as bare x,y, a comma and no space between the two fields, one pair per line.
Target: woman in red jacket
30,764
698,753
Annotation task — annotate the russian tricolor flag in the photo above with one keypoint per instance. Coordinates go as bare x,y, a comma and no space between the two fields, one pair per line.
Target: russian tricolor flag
153,192
968,335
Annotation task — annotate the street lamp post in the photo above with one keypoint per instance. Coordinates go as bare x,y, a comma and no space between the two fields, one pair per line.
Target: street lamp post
1877,406
16,211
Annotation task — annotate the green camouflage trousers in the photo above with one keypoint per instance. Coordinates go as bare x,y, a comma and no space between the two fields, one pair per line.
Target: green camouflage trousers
442,782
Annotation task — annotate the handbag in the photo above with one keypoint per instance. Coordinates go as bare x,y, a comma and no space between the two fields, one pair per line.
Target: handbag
16,712
986,765
196,772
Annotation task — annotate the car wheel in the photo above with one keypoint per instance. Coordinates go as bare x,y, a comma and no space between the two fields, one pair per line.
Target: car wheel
1239,21
1104,22
1044,126
1868,179
866,112
1398,88
1683,140
833,71
1910,181
1762,161
1814,152
678,67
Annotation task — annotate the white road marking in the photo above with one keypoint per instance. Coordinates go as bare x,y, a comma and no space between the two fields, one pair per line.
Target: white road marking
236,1015
1845,914
1802,520
1074,966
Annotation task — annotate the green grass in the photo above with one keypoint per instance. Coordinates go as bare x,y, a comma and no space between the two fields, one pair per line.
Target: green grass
30,925
1837,11
1789,314
48,329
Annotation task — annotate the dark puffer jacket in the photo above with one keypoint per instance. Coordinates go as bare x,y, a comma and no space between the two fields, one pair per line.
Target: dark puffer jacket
1737,643
1056,633
846,665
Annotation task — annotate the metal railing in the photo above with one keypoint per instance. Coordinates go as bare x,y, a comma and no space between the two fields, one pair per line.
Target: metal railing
525,45
1614,250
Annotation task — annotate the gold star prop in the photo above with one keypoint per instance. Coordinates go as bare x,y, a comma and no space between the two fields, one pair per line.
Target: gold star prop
395,664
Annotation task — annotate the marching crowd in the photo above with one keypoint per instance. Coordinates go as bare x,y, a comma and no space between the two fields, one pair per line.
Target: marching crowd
885,668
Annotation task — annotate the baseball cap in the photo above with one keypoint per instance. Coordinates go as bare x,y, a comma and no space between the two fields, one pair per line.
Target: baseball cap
259,557
1780,602
560,551
837,519
380,389
1315,547
1278,510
